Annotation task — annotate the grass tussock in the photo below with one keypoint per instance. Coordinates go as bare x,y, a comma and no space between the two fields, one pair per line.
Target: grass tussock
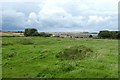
67,67
25,41
74,53
6,43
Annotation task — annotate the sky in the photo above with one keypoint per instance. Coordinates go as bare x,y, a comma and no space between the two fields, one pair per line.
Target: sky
59,15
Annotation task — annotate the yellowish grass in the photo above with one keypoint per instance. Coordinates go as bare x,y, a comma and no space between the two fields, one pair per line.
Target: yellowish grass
11,34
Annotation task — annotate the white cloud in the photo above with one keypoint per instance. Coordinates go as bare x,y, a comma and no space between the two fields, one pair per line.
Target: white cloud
32,17
53,11
66,14
98,19
20,0
33,20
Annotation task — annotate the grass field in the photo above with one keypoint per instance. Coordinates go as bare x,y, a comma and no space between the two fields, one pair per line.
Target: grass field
8,34
31,57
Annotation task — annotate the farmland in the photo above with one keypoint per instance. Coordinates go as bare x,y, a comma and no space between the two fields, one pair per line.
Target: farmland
11,34
31,57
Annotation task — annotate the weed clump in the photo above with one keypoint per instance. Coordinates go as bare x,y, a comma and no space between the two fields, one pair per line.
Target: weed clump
5,43
74,53
67,67
9,55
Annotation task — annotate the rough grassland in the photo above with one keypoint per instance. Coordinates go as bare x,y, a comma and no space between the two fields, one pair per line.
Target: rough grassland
36,57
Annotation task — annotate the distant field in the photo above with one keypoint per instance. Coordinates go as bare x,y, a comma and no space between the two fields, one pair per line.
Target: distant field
36,57
11,34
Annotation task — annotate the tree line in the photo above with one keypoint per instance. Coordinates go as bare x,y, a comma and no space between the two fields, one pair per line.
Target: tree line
34,32
101,34
109,34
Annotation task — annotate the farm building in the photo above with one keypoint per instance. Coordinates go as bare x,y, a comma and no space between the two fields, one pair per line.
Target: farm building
73,35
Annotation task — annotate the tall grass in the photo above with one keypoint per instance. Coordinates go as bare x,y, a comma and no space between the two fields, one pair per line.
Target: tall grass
25,41
74,52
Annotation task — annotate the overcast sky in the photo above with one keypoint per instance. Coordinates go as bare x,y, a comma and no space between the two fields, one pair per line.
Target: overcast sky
60,15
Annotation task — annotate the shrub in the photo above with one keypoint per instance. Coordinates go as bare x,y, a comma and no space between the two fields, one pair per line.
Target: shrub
74,52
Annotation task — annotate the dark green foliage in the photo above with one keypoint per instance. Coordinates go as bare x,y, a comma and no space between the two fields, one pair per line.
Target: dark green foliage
43,34
74,52
31,32
109,34
118,35
104,34
19,32
90,36
34,32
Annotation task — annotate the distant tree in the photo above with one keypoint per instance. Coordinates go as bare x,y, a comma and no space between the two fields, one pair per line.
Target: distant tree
31,32
43,34
86,32
19,31
104,34
90,36
109,34
118,35
113,34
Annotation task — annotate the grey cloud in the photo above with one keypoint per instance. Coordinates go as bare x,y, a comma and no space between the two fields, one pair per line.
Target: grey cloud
60,15
24,7
12,20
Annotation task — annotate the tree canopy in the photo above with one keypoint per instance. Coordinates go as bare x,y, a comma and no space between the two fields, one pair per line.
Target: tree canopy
109,34
34,32
31,32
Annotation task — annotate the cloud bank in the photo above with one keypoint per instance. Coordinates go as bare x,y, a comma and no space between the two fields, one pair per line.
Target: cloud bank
61,15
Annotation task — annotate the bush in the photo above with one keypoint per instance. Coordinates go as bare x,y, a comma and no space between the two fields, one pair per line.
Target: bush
74,52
